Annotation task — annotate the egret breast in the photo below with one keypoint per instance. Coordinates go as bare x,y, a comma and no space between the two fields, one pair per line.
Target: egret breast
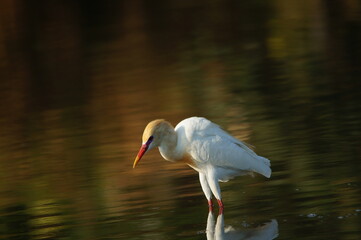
187,159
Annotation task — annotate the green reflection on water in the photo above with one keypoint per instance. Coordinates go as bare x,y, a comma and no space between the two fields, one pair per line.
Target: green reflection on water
81,80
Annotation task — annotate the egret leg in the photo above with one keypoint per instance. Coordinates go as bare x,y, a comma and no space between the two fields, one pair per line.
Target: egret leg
212,180
213,184
210,205
207,191
221,206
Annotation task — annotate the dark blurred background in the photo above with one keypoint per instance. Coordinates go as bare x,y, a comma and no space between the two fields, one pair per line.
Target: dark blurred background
79,80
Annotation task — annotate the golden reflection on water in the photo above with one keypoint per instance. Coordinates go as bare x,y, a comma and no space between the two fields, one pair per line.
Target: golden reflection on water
79,85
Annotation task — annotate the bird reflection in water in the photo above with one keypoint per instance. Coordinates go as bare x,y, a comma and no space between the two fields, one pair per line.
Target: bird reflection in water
217,231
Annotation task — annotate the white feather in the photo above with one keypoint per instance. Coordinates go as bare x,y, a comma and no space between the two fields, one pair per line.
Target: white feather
208,144
204,146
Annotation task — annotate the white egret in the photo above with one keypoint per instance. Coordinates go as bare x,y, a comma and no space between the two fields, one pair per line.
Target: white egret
204,146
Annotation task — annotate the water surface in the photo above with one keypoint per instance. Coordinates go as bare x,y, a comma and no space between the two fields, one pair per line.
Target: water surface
79,82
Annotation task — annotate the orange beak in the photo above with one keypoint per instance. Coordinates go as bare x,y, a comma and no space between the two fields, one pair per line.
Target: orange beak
141,152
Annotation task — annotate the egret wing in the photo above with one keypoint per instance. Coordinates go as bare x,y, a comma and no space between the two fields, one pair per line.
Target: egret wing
208,143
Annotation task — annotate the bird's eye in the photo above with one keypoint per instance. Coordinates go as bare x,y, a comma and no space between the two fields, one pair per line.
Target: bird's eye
150,139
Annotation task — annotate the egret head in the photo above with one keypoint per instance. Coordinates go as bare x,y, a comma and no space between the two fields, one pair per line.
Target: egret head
152,137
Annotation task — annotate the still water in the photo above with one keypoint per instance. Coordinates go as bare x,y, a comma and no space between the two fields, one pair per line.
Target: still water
80,80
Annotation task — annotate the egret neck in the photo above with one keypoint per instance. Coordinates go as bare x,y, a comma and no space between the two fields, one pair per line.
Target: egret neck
168,147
